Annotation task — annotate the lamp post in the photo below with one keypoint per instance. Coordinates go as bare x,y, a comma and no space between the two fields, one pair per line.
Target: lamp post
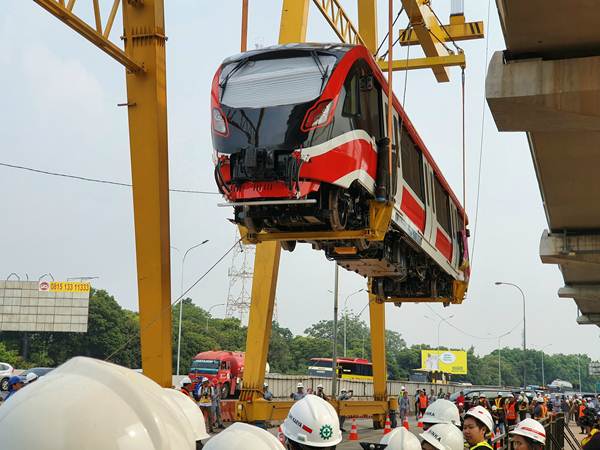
181,300
579,373
498,283
208,313
335,323
346,316
439,325
543,375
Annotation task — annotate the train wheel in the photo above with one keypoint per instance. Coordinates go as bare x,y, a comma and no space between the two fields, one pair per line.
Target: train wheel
288,245
339,205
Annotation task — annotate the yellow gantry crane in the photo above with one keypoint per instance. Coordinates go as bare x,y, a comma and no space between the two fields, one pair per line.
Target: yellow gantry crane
143,57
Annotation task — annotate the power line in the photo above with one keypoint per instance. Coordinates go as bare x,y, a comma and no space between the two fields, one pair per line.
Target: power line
176,302
95,180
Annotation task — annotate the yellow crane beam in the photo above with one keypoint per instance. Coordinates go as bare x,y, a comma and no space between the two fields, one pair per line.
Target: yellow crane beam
453,32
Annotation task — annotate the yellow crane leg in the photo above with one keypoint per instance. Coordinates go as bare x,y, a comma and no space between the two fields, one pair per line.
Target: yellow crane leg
144,35
377,322
264,283
367,23
294,17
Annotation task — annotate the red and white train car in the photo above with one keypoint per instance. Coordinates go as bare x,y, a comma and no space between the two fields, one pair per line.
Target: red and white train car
300,139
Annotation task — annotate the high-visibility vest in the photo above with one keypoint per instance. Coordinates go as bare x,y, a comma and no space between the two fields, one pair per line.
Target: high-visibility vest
483,445
422,401
581,410
511,413
544,410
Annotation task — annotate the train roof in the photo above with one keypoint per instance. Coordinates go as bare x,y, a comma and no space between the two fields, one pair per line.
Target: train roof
335,49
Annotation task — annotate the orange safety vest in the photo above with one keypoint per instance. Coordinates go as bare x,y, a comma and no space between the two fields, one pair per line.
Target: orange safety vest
422,401
544,410
581,410
511,413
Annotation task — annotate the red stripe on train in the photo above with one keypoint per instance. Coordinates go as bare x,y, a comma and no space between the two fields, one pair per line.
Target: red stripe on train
443,244
413,210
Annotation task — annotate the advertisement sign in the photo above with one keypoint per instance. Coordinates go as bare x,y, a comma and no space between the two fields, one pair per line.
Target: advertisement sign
63,286
594,368
448,361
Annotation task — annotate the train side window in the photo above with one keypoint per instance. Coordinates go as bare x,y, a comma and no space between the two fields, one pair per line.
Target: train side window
351,106
412,165
370,117
443,206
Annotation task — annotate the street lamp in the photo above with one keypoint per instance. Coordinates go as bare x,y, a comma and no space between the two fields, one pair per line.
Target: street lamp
181,300
208,313
346,316
439,325
498,283
543,375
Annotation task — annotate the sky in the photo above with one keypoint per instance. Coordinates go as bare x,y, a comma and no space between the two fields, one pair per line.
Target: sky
59,113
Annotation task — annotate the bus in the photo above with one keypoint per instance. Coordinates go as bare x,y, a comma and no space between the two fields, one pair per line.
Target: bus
348,368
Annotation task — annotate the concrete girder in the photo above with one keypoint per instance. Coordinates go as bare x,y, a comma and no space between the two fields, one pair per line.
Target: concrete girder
589,319
584,292
570,249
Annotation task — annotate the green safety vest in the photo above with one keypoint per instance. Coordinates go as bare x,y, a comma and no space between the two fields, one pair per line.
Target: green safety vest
483,445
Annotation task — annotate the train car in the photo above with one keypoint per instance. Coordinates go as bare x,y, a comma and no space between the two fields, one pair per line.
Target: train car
300,140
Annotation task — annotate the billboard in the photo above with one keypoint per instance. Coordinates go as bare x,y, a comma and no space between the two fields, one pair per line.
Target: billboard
44,306
594,368
448,361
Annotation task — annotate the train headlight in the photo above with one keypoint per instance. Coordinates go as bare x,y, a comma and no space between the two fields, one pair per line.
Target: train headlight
319,115
218,122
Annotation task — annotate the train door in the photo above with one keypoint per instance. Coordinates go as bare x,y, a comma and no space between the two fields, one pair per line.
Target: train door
430,218
454,235
394,185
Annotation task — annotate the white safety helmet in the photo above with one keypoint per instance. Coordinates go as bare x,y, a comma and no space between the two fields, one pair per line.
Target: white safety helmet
401,439
319,386
265,384
204,380
444,436
243,435
299,385
185,380
442,411
132,409
313,422
403,388
531,429
30,377
483,415
190,411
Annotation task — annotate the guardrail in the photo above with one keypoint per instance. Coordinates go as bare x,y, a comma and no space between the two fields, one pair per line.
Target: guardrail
555,435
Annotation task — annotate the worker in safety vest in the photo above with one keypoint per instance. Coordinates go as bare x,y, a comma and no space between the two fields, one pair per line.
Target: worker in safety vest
510,411
523,406
501,419
94,405
186,387
203,394
242,435
590,425
311,423
581,414
528,434
423,402
477,426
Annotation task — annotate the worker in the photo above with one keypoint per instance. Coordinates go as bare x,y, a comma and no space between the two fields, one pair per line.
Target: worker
483,401
397,439
580,414
186,387
15,383
203,394
310,424
510,411
267,395
404,404
423,402
442,436
344,395
537,408
499,402
592,440
299,394
242,435
528,434
215,407
190,409
320,392
477,426
523,406
94,405
441,411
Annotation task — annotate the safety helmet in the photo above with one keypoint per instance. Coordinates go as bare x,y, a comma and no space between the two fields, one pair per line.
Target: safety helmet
401,439
313,422
442,411
530,429
132,409
444,436
483,415
499,394
319,386
190,411
243,435
494,408
186,380
30,377
403,388
299,385
265,384
204,380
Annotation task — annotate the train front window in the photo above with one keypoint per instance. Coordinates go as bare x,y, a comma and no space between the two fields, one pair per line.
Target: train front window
274,82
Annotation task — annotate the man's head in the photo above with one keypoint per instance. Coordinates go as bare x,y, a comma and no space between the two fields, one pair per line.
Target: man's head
186,383
265,386
205,382
477,424
319,387
300,387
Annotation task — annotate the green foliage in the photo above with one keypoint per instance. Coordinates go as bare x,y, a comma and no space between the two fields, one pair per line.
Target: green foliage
112,329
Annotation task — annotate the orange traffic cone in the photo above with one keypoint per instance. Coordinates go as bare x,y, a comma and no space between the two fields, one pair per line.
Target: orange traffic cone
388,425
405,423
498,444
353,431
280,435
420,423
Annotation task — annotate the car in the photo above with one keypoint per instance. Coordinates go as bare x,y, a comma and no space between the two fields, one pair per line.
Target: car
6,371
472,395
39,371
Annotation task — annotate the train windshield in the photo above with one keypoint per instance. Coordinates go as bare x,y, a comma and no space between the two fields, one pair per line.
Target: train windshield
274,82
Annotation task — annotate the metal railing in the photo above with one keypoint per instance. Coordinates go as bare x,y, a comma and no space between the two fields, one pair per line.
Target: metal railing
556,431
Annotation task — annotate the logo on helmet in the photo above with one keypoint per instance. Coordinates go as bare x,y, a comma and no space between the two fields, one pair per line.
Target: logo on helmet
326,432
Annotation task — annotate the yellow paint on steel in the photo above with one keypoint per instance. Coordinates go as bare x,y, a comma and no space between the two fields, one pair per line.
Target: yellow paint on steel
294,18
457,31
377,322
426,63
147,100
264,282
339,21
91,34
345,250
367,23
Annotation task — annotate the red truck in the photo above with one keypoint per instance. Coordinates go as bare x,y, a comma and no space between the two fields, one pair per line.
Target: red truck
226,367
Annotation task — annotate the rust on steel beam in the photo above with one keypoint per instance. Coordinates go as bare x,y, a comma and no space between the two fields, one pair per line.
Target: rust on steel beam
94,35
